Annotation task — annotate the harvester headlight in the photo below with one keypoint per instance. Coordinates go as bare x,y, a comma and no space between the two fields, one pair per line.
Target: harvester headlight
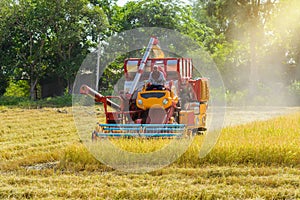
140,102
165,101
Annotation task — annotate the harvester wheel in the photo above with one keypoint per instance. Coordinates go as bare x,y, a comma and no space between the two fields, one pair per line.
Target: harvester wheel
200,133
94,136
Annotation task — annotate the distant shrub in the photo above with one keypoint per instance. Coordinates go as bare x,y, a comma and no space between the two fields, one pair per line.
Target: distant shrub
12,101
237,98
294,92
295,87
18,88
59,101
217,96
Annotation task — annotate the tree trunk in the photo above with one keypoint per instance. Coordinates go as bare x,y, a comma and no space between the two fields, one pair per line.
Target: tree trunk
254,34
33,83
253,76
70,86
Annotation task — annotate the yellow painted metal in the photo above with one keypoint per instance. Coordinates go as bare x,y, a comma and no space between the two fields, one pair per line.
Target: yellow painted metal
152,102
199,114
204,90
201,121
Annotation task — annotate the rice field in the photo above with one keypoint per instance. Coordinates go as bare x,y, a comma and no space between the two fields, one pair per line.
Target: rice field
42,157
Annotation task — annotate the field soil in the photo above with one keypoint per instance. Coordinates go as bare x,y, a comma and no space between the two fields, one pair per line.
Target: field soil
257,157
242,115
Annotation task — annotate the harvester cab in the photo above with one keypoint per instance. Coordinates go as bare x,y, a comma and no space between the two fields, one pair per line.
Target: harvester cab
175,108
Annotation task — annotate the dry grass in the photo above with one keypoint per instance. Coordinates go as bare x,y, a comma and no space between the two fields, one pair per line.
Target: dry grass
41,157
34,136
209,182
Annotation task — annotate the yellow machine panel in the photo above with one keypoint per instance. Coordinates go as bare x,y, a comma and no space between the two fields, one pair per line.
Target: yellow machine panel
204,90
201,121
162,98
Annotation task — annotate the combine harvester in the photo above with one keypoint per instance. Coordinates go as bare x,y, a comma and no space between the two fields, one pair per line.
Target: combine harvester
175,109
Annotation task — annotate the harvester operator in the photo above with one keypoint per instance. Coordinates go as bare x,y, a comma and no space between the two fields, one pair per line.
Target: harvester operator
156,79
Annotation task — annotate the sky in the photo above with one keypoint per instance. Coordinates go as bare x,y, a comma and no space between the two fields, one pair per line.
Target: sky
122,2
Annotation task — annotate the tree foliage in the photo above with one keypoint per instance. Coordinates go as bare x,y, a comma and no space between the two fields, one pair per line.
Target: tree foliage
41,37
247,39
166,14
244,25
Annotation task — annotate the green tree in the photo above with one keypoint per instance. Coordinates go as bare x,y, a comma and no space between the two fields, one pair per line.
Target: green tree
159,13
42,37
165,14
4,73
73,35
240,20
285,29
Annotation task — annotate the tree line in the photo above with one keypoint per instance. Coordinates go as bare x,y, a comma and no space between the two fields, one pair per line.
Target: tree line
254,43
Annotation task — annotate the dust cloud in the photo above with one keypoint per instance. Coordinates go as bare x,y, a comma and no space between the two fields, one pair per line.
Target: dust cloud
262,77
266,70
